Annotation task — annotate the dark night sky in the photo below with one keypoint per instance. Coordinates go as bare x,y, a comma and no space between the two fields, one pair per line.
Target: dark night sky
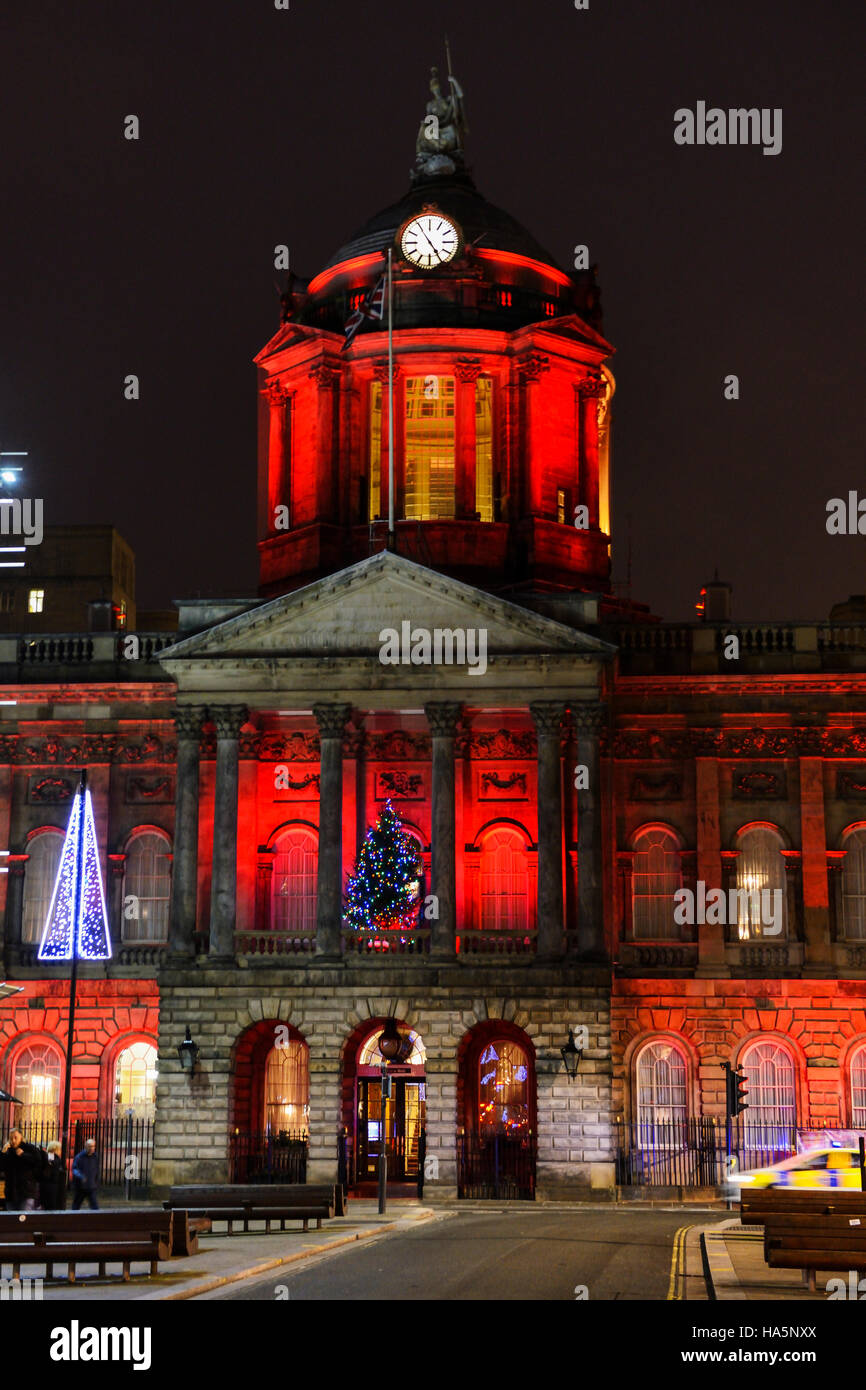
261,127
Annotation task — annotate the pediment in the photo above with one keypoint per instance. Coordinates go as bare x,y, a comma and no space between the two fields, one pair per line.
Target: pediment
346,614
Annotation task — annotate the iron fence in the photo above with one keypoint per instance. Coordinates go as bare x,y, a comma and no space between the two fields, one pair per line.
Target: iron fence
260,1156
694,1152
124,1147
498,1167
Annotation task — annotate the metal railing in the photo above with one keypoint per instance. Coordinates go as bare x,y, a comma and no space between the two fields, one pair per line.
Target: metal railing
258,1156
498,1167
124,1147
693,1152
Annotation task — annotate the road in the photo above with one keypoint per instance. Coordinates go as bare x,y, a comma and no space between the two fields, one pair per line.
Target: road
617,1253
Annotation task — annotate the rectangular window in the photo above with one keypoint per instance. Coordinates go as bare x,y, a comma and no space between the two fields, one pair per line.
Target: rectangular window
484,448
36,601
430,448
560,505
375,494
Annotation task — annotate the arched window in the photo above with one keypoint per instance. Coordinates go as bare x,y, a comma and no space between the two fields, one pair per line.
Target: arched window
484,502
771,1118
135,1081
854,886
40,874
504,874
293,886
147,887
287,1089
761,888
503,1089
656,877
36,1083
858,1088
662,1103
429,448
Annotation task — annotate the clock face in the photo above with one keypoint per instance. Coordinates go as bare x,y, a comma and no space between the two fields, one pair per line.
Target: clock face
430,240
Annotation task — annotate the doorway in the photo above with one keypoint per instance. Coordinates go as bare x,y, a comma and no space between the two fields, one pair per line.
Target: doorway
399,1128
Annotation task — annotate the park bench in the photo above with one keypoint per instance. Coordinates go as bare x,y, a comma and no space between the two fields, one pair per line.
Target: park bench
131,1235
247,1202
809,1229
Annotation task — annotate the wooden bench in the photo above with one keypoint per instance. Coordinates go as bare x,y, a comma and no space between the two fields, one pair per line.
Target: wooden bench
123,1236
248,1202
764,1202
809,1228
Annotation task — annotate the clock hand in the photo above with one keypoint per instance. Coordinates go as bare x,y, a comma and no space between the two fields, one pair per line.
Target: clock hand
429,242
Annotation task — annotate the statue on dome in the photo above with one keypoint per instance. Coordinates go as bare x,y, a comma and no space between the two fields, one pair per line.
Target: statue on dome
439,147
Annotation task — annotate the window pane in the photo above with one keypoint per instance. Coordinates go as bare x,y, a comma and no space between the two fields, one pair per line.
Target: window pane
36,1083
854,887
375,500
656,877
504,882
287,1089
484,448
770,1120
503,1089
147,880
662,1107
293,887
429,446
858,1089
39,877
760,870
135,1082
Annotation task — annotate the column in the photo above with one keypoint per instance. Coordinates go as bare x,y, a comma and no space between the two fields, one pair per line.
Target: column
116,872
711,938
224,871
442,719
589,719
327,377
15,900
816,894
278,443
547,717
531,371
331,720
184,873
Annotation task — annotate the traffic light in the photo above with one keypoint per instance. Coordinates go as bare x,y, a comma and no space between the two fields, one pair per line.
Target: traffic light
735,1091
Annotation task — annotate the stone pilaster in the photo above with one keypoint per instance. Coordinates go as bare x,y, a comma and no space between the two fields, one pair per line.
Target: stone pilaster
589,720
184,875
224,872
547,717
442,719
331,720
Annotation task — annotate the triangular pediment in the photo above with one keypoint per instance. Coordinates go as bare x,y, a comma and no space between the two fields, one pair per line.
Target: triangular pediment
344,615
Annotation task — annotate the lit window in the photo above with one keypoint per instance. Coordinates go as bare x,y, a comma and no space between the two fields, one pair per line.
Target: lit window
293,890
484,448
560,505
36,601
662,1108
858,1088
40,875
503,1089
287,1089
771,1118
760,883
429,448
505,298
36,1084
549,308
375,501
504,882
147,881
135,1081
656,877
370,1056
854,886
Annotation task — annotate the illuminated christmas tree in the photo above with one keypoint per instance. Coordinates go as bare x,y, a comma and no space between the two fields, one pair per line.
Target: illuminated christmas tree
382,893
77,926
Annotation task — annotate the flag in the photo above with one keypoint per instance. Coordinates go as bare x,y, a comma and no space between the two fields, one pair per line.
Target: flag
373,307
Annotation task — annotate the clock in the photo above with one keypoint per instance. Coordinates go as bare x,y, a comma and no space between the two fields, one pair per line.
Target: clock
429,240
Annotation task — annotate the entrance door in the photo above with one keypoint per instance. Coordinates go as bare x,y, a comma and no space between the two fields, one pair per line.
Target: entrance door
401,1125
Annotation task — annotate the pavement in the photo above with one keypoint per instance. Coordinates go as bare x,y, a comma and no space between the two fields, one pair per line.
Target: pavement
733,1259
223,1260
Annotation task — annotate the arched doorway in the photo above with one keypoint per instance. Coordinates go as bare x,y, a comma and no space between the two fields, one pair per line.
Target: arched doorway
496,1145
270,1104
398,1120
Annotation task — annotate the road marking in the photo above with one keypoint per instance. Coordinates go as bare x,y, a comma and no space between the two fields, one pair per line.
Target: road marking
676,1253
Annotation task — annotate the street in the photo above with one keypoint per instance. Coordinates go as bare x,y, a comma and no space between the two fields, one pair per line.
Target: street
615,1252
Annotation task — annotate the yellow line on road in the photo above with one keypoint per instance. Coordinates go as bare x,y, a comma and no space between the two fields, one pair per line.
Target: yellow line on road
678,1254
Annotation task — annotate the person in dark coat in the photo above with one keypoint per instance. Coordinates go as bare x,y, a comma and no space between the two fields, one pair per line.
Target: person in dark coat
21,1165
52,1181
85,1176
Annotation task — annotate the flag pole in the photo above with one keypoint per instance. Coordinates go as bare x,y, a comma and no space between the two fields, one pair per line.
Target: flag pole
73,973
391,545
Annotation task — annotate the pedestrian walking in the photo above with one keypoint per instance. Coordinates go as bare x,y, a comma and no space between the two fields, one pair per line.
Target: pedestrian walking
52,1180
21,1165
85,1176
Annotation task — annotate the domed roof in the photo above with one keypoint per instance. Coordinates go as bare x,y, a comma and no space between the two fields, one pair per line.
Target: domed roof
479,220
